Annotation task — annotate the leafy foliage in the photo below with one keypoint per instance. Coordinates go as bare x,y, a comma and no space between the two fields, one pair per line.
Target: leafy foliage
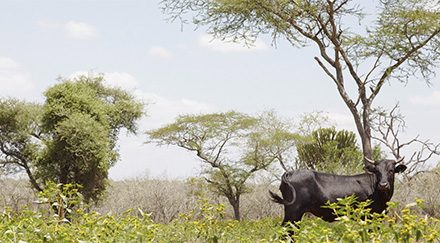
355,223
20,137
207,225
61,199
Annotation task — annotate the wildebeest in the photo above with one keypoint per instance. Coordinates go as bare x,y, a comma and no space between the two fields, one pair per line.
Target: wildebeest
307,191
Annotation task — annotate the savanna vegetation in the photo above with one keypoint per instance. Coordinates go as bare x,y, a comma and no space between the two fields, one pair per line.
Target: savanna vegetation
65,146
185,211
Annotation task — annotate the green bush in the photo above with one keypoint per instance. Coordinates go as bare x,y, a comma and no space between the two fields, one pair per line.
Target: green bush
354,224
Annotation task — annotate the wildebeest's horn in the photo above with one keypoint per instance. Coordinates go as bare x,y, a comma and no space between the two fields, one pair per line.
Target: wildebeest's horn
370,160
400,160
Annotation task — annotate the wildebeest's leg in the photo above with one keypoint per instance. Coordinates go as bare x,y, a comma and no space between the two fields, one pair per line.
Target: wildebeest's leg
292,214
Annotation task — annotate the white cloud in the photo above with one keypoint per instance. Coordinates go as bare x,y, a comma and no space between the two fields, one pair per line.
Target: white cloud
72,29
46,24
208,42
430,100
114,79
162,110
173,161
8,63
79,30
122,80
13,81
160,52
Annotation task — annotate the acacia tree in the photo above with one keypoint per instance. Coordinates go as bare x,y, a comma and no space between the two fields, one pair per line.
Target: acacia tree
71,138
403,41
232,147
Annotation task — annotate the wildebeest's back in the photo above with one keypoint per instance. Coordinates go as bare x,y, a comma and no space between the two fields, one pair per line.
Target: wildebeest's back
318,188
336,186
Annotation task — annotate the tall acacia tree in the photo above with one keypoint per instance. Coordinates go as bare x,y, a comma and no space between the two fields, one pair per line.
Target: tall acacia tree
232,147
403,41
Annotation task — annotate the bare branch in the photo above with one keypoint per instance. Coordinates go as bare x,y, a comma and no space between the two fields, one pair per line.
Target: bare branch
388,127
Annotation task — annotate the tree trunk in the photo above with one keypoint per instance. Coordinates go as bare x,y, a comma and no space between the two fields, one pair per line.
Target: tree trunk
367,148
362,121
34,182
235,203
236,207
366,145
366,139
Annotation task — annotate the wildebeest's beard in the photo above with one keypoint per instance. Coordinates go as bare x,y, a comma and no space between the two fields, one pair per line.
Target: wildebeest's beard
386,192
386,195
384,189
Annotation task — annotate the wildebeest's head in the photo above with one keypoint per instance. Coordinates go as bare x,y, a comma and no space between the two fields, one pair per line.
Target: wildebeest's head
384,171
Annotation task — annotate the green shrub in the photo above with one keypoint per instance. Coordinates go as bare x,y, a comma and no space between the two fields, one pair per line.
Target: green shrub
354,224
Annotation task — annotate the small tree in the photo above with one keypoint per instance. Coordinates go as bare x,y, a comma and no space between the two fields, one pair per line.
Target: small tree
232,147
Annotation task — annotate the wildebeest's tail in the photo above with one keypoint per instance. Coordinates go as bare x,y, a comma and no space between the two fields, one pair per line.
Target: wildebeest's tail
277,198
290,187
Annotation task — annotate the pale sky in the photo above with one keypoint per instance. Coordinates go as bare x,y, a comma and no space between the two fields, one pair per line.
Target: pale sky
178,72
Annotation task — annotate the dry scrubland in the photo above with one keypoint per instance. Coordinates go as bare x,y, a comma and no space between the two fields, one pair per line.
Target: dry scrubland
179,211
165,200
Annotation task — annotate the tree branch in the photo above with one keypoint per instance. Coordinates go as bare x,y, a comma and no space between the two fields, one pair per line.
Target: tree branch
390,69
